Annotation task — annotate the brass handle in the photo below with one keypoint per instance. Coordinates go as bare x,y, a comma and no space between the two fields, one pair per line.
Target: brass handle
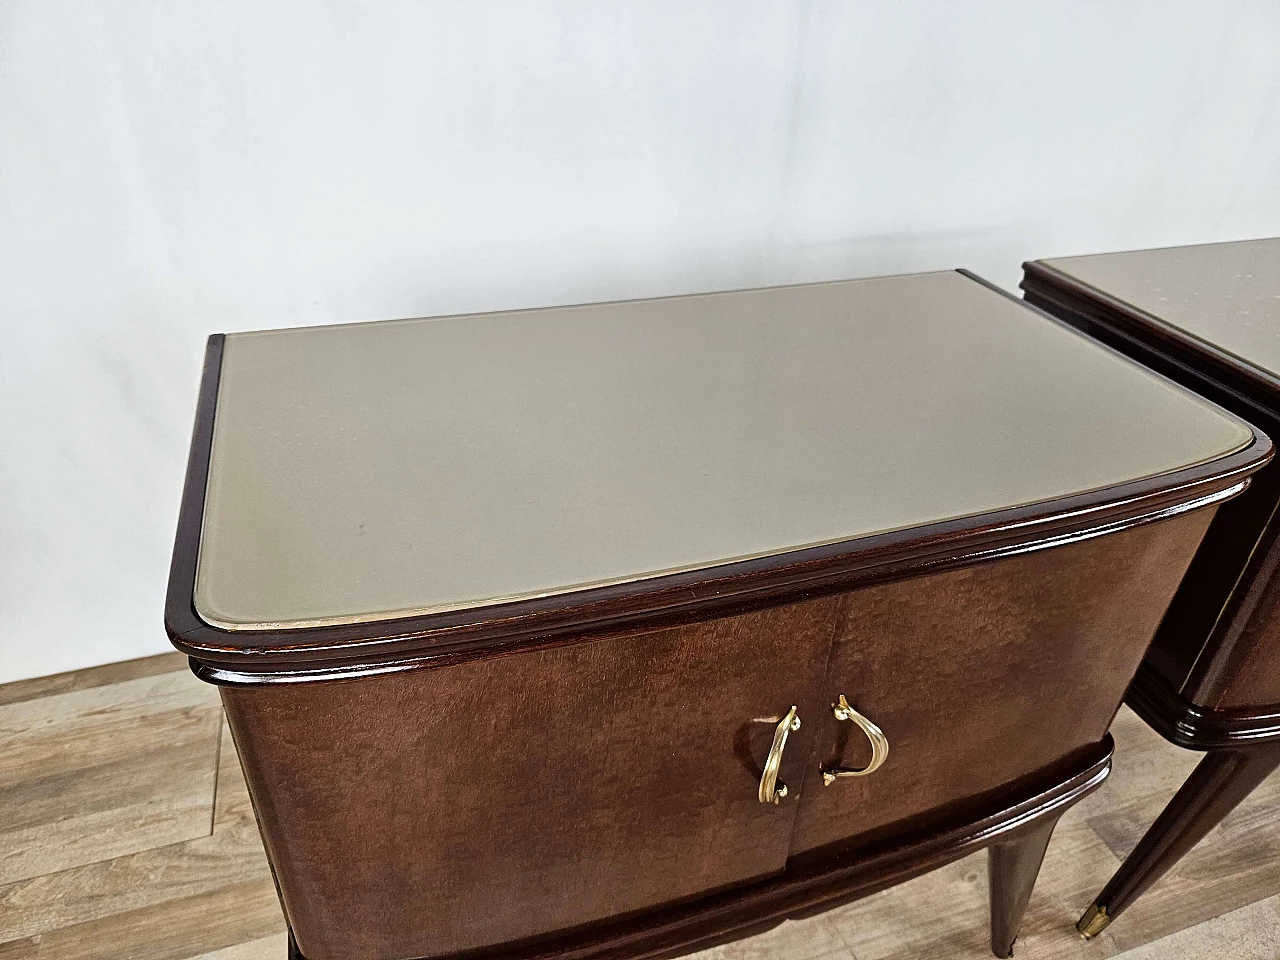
879,744
771,788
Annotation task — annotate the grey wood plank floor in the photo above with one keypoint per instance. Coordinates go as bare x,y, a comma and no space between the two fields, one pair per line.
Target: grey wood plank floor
126,832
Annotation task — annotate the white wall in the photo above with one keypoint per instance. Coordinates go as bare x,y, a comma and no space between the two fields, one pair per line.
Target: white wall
168,170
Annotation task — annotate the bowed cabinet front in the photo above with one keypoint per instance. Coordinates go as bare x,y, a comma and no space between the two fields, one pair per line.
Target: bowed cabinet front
443,810
435,811
618,630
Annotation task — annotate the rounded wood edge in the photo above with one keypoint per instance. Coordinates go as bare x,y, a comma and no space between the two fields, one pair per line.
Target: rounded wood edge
1185,724
1248,392
352,650
374,663
1046,286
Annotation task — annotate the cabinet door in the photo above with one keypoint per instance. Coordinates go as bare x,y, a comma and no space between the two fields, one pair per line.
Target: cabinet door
984,675
442,810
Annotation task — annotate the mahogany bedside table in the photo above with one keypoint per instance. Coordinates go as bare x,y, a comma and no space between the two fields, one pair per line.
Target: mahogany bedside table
625,629
1209,317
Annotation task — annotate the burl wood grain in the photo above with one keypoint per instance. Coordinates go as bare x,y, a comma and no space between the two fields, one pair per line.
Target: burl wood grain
983,675
441,810
436,811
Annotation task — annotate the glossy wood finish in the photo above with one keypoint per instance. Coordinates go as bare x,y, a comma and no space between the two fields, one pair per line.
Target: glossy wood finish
1218,646
1222,780
803,890
434,812
1212,678
614,776
1222,295
1012,868
1181,722
950,665
212,898
575,774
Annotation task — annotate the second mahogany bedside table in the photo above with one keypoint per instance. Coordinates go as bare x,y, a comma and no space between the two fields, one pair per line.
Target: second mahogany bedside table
1209,317
623,629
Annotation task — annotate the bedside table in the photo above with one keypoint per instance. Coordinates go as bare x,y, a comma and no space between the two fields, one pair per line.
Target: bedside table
623,629
1209,317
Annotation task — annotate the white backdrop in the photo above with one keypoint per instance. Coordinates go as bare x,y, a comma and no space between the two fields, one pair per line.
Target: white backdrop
169,169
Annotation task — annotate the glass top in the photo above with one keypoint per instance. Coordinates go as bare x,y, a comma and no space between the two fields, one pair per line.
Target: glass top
1225,294
370,471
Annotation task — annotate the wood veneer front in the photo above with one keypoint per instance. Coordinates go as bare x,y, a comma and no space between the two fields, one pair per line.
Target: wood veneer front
984,675
444,810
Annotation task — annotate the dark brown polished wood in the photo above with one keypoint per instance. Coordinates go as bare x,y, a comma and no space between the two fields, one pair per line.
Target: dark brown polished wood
634,746
991,648
810,887
578,780
1012,866
576,775
1211,680
1217,785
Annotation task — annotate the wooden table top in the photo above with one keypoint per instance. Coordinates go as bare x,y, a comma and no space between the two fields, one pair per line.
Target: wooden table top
1226,295
372,471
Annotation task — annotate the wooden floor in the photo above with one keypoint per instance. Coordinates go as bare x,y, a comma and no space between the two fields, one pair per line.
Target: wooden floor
126,832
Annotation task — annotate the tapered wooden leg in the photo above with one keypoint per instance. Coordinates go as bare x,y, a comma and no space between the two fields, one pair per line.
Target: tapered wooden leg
294,952
1012,867
1222,779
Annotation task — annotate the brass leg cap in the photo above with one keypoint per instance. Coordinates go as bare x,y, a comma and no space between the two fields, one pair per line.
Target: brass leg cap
1093,922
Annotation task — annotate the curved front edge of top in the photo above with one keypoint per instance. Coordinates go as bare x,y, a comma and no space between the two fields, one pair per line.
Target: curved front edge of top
347,650
359,650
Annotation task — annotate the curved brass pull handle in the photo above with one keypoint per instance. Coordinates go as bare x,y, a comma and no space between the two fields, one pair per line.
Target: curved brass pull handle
879,744
771,788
